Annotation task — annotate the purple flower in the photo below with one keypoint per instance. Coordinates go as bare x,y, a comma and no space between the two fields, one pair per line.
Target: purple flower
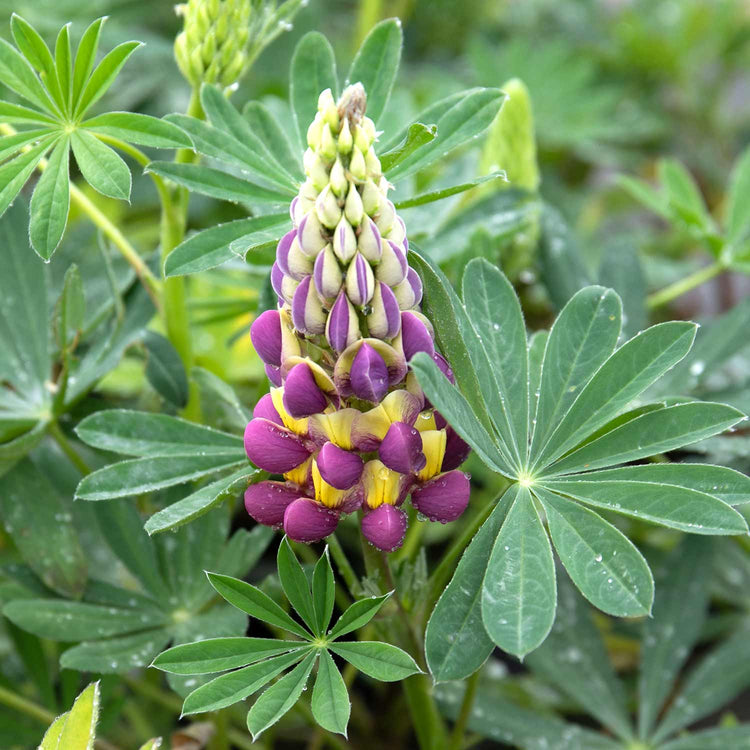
265,333
344,241
282,250
308,314
302,396
369,374
444,498
266,502
415,336
265,409
360,282
292,261
384,321
307,521
342,326
327,274
385,527
310,235
273,374
456,450
401,449
392,267
283,285
339,468
370,243
445,368
272,447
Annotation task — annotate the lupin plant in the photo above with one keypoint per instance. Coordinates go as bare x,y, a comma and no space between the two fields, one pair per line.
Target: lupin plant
345,422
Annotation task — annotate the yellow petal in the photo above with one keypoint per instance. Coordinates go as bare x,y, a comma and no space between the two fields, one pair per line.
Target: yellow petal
426,421
325,493
298,426
300,474
381,484
335,426
433,447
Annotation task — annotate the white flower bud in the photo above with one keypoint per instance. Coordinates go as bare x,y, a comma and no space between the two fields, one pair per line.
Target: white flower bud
345,138
339,183
353,209
327,208
357,165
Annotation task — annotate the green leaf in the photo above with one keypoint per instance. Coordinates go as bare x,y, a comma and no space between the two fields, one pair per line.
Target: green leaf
266,127
51,738
738,738
71,309
313,70
17,113
467,118
86,56
683,193
64,66
621,269
519,592
456,642
536,346
220,654
654,432
330,699
212,247
100,166
574,659
14,173
669,636
61,565
143,130
581,339
438,195
140,433
79,731
376,63
381,661
416,136
254,602
164,369
646,195
280,697
451,403
50,201
603,563
358,614
680,508
19,76
738,213
495,312
244,550
323,592
215,183
104,75
61,620
11,144
199,502
116,655
624,376
236,686
295,584
713,683
139,475
152,744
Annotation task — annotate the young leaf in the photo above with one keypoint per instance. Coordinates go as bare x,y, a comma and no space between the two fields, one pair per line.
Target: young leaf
220,654
236,686
378,660
313,70
86,56
64,66
323,592
274,138
607,568
51,739
50,201
19,76
416,136
252,600
358,615
519,593
295,584
456,642
376,63
280,697
143,130
80,726
330,699
683,193
164,369
438,195
100,166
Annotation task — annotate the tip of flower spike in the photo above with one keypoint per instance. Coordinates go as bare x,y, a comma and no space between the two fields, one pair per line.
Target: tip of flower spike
353,103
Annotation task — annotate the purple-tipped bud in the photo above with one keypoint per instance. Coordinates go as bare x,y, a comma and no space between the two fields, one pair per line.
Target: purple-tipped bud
443,498
294,210
298,264
409,291
456,451
385,527
342,326
360,282
308,314
307,521
401,449
272,447
266,502
310,235
384,322
302,397
415,336
344,241
393,266
398,231
282,250
265,333
370,243
386,216
327,274
339,468
327,208
371,197
283,285
265,409
369,375
273,374
445,368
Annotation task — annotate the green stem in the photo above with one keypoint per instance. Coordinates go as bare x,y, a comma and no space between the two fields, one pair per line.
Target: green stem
459,728
346,571
65,446
673,291
428,724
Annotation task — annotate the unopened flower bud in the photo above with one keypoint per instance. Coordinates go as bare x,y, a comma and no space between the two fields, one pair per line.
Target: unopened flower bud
327,208
339,183
338,467
315,132
393,266
443,498
302,396
315,169
372,163
384,322
370,243
272,447
353,209
307,521
360,281
344,241
327,147
284,286
357,166
327,274
308,314
401,449
266,502
265,334
342,326
385,217
291,259
445,368
369,375
310,235
345,137
362,140
371,198
397,232
415,335
409,291
385,527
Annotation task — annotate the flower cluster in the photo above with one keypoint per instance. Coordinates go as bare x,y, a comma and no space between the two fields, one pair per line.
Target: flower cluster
345,422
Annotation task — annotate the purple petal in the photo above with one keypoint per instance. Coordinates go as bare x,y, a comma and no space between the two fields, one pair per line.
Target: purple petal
308,315
384,321
265,333
401,449
310,235
369,375
360,283
416,284
327,274
266,502
445,368
302,397
415,337
272,447
456,451
282,250
277,279
370,242
307,521
444,498
273,374
339,468
342,327
385,527
265,409
393,267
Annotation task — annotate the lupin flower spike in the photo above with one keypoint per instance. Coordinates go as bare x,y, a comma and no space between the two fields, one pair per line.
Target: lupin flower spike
341,426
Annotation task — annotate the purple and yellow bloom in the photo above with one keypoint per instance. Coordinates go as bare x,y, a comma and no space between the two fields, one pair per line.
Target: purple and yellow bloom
346,424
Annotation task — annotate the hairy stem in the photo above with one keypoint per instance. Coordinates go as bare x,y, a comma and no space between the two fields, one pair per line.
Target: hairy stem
673,291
